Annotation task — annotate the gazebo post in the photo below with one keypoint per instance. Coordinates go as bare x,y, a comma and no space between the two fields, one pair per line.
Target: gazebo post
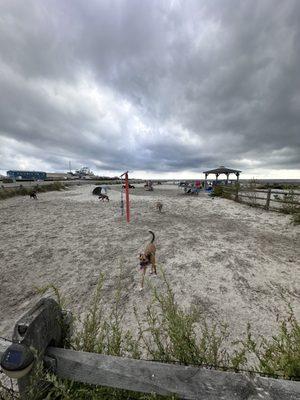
217,176
205,184
237,177
227,178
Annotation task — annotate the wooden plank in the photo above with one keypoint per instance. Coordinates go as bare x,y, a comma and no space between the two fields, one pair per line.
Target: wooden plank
261,205
37,328
260,191
277,192
252,190
257,205
153,377
286,202
249,196
266,191
275,209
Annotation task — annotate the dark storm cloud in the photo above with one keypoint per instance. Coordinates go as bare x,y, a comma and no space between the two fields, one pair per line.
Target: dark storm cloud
153,85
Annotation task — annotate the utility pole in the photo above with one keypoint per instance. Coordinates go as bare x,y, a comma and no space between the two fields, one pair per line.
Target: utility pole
127,196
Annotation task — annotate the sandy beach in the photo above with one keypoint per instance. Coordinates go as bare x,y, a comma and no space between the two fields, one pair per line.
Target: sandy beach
231,260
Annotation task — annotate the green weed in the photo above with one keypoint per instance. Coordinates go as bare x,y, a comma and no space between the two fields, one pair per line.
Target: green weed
296,218
175,335
279,356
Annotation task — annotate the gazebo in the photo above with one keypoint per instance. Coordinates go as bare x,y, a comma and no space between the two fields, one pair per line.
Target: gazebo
222,170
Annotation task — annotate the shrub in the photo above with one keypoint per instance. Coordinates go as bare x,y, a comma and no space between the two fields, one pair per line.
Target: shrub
176,335
251,192
218,191
226,191
103,334
296,218
279,356
289,198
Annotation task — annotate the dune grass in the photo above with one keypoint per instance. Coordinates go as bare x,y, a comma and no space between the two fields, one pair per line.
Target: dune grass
6,193
166,333
296,218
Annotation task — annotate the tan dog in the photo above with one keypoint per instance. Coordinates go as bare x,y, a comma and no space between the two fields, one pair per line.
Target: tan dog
159,206
146,258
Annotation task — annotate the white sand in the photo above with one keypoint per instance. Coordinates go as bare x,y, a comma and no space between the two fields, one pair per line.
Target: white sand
231,260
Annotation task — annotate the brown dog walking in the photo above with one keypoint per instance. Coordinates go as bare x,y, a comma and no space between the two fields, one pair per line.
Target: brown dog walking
159,206
146,258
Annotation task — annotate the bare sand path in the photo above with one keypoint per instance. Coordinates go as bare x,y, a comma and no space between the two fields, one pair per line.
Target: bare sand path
231,260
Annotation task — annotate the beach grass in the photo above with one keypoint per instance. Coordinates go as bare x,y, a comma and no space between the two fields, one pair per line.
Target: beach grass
296,218
166,333
6,193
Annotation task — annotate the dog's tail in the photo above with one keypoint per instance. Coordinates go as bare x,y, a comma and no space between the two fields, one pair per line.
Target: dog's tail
153,236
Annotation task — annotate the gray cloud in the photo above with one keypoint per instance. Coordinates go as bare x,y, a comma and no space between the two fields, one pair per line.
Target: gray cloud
162,86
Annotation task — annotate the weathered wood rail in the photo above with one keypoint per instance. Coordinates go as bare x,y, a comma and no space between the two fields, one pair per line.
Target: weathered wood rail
187,382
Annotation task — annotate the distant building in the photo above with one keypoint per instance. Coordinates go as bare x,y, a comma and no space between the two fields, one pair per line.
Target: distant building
84,173
57,176
27,175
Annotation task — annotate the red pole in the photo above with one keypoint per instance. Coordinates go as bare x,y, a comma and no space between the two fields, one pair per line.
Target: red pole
127,197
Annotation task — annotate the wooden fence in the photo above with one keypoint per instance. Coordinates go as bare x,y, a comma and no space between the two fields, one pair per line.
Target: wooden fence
274,200
43,327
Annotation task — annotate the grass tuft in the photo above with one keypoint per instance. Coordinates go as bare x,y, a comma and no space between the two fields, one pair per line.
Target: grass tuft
279,356
186,337
296,218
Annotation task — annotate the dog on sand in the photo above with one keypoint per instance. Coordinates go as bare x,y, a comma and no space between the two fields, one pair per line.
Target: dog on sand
103,197
146,258
159,206
33,195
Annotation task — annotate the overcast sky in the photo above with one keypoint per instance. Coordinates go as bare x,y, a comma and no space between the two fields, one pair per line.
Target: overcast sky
159,88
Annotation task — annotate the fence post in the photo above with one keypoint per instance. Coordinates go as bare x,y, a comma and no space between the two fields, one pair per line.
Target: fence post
36,330
236,197
267,206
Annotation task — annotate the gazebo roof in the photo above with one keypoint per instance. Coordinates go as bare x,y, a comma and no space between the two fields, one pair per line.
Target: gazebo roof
222,170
